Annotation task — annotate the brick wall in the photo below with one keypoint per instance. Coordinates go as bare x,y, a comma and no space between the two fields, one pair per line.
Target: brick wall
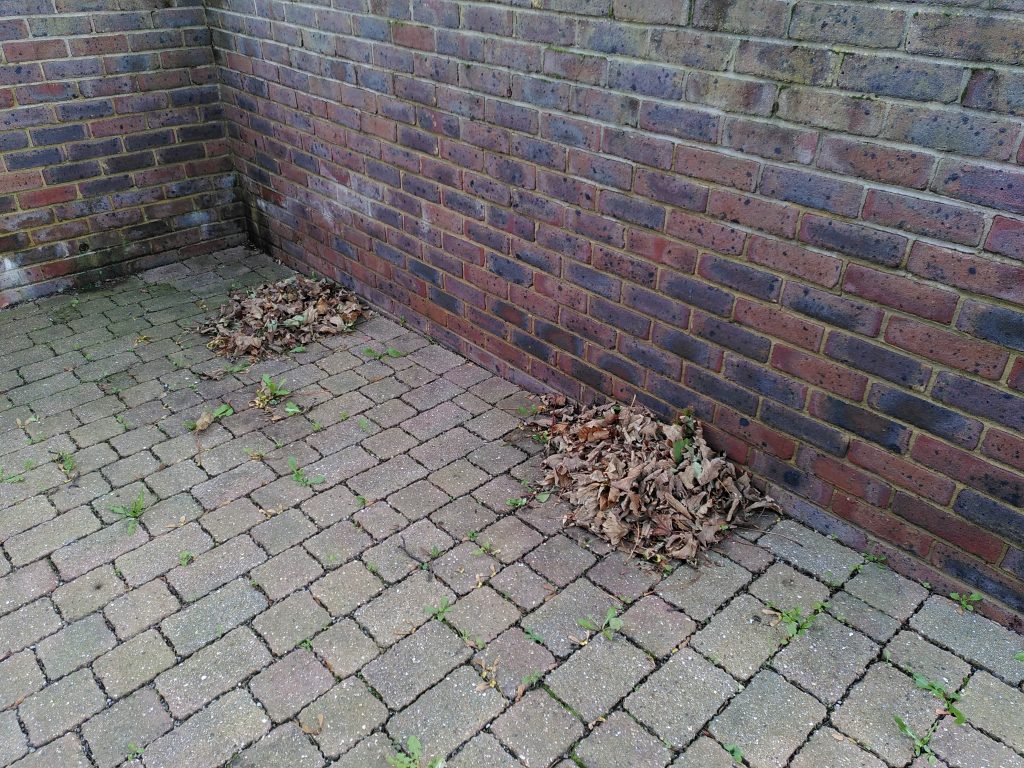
112,148
802,219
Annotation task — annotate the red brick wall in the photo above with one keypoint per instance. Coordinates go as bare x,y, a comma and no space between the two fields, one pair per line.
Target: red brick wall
112,148
802,219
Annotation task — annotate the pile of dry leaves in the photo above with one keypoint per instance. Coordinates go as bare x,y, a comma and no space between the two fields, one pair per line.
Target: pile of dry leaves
645,486
278,317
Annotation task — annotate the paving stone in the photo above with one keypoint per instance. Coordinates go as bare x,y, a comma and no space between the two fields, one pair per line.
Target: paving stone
741,637
826,658
656,626
788,715
141,608
499,492
483,749
288,685
702,592
448,714
133,663
599,675
21,675
459,478
497,457
344,649
678,700
212,616
560,560
522,586
88,593
830,748
134,722
492,424
402,608
517,662
284,747
493,389
345,589
784,588
391,442
99,548
971,636
65,752
171,513
26,625
343,716
483,614
858,614
332,506
287,623
214,567
338,544
447,447
13,743
887,591
508,539
961,746
462,517
211,671
61,706
810,551
233,484
74,646
623,576
209,738
705,753
620,741
25,585
25,515
415,663
161,554
867,713
915,655
384,479
537,729
231,519
557,621
995,708
50,536
286,572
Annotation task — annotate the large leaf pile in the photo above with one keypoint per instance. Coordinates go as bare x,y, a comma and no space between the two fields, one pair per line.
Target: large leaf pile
278,317
644,485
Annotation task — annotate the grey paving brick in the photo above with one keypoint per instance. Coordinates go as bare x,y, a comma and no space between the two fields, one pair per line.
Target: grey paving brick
484,749
338,544
867,713
961,746
74,646
656,626
415,663
134,722
21,675
537,729
343,590
974,637
621,741
449,714
98,548
508,539
557,621
214,568
209,738
344,648
288,685
233,484
133,663
515,662
291,621
141,608
915,655
402,608
599,675
343,716
681,697
13,743
559,560
50,536
25,584
831,748
810,551
212,616
25,515
61,706
445,448
995,708
463,516
705,753
826,658
483,614
26,625
702,592
231,519
286,745
161,554
741,637
88,593
784,588
885,590
292,569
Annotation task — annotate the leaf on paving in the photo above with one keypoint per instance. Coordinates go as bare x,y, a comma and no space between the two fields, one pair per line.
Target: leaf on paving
277,318
643,485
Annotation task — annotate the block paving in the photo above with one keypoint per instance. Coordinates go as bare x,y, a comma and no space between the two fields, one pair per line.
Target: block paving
248,620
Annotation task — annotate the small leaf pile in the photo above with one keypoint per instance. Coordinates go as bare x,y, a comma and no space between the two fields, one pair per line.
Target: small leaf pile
276,318
652,488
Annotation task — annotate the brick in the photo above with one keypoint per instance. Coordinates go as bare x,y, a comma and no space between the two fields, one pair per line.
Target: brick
859,421
838,23
876,162
774,142
819,372
963,36
924,217
854,240
753,212
992,323
948,348
833,310
992,187
1006,237
788,63
966,468
981,399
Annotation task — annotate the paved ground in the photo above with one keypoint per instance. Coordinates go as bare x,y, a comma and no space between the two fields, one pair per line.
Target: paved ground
257,616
